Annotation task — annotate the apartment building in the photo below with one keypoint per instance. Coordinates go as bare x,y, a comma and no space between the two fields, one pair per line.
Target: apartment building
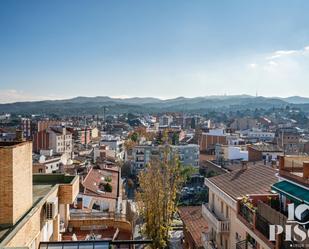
288,139
257,212
33,208
48,163
263,151
244,124
209,140
188,154
225,231
230,152
26,127
81,135
56,138
115,144
165,120
257,135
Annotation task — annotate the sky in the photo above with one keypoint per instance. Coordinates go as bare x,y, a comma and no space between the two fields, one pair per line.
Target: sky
57,49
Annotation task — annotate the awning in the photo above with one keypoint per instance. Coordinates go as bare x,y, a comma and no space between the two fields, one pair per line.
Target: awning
292,191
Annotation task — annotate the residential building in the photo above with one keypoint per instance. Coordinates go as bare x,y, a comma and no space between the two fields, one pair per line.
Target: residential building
33,208
230,152
288,140
95,132
165,120
263,151
222,208
81,135
45,124
48,163
257,135
142,154
100,211
56,138
257,212
240,124
115,144
209,140
26,128
7,135
188,154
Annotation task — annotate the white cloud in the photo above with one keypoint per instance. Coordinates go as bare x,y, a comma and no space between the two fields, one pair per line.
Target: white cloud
287,53
13,95
282,53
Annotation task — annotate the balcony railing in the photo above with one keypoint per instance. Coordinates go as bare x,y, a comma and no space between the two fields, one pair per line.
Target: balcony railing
97,215
246,213
207,241
220,225
244,244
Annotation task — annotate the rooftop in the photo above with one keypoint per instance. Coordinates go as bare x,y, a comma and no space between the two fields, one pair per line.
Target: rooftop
266,147
95,180
255,179
42,185
195,223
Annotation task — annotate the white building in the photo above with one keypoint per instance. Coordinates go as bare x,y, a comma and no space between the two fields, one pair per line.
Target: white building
165,120
115,144
229,152
60,140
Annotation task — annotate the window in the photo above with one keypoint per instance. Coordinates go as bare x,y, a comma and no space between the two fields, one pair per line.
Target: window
227,211
222,207
40,170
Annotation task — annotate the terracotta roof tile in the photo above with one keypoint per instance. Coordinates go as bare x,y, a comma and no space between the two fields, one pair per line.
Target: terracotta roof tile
194,222
256,179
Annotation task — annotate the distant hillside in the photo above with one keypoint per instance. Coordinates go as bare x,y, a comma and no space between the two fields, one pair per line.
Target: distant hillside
94,105
296,100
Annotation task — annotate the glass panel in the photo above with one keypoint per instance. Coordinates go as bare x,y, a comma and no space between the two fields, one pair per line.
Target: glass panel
55,246
70,245
101,245
86,245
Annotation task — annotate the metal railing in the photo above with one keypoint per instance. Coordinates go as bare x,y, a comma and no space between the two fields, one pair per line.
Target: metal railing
221,225
97,215
246,213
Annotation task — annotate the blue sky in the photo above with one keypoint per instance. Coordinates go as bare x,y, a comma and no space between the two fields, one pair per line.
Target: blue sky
160,48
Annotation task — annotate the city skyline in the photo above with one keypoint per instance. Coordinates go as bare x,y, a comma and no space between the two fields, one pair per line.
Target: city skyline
58,50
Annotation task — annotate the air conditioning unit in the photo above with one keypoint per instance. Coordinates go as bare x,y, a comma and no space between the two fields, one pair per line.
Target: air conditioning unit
51,209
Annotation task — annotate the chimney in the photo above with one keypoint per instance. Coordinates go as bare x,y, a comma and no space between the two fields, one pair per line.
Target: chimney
19,135
80,203
306,169
281,162
244,165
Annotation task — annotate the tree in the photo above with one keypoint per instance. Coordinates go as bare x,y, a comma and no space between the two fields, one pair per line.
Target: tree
159,185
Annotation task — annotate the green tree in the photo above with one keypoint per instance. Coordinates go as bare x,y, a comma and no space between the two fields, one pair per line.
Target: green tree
159,184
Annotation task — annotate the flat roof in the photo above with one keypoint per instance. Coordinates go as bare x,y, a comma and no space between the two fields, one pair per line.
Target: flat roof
42,185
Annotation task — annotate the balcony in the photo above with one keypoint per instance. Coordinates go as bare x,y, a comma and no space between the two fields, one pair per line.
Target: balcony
221,226
207,241
244,244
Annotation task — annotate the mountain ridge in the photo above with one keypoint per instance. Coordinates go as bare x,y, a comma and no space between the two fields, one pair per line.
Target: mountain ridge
82,104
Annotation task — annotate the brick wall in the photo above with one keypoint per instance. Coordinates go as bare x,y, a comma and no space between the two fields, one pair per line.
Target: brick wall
15,181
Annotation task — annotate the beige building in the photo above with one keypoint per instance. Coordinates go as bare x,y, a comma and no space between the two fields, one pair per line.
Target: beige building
225,231
33,208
